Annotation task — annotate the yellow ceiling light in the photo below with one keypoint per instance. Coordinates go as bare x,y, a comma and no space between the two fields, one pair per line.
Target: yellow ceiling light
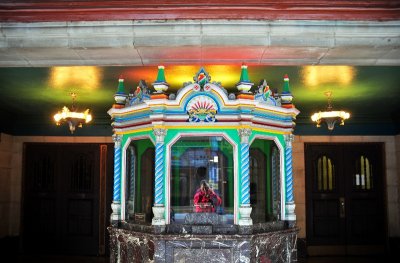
314,76
72,117
84,77
329,116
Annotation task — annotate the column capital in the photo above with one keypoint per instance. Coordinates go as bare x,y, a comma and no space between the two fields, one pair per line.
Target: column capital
244,134
289,138
117,140
160,134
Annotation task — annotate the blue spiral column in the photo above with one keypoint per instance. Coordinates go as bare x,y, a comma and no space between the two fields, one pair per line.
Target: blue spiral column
159,195
245,176
245,208
116,203
290,205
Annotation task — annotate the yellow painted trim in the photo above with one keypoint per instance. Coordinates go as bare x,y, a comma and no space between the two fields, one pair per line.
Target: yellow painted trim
213,127
131,111
134,131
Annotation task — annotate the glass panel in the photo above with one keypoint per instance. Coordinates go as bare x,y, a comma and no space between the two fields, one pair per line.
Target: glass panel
195,160
276,183
325,174
139,187
130,181
257,185
265,192
363,179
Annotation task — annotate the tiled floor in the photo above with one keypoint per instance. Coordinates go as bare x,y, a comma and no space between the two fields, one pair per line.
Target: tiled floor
344,260
58,259
83,259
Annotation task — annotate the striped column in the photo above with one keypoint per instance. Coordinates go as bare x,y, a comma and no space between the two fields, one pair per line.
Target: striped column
289,174
116,204
159,195
290,206
245,176
245,208
159,174
117,168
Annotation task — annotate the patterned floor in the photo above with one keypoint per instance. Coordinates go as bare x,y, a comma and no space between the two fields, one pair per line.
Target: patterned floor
83,259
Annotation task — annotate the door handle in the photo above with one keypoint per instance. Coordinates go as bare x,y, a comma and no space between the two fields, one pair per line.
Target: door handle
342,211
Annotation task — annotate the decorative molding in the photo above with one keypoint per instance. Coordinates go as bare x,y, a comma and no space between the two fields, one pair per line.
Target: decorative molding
244,134
160,134
117,140
289,138
202,109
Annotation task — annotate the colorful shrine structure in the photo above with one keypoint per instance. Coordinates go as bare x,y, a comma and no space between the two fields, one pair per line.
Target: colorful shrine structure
166,144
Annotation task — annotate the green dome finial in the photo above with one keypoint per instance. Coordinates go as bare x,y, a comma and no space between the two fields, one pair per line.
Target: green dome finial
244,75
160,85
244,84
286,87
121,87
120,95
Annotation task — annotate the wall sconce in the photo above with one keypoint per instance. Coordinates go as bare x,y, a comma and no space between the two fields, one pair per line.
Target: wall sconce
72,117
329,116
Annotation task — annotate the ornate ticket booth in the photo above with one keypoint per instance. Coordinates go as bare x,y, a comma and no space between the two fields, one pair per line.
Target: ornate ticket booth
166,144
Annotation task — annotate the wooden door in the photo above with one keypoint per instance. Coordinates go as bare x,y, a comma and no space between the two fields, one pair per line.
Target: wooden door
344,192
65,198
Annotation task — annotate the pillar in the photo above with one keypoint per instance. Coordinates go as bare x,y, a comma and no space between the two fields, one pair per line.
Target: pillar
245,208
116,203
159,195
289,202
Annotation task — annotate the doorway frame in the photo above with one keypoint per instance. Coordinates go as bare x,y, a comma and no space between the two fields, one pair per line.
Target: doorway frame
349,249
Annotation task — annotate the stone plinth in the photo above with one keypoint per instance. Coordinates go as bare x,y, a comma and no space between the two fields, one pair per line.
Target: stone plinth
130,243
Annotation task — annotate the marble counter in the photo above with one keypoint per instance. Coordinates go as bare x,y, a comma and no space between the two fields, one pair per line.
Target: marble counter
266,243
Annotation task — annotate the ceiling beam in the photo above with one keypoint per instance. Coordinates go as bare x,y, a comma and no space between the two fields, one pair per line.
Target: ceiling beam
200,42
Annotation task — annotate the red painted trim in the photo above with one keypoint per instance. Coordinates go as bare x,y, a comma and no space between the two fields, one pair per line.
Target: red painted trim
90,10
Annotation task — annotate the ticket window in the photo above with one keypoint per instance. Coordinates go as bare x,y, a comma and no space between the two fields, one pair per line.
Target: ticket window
197,159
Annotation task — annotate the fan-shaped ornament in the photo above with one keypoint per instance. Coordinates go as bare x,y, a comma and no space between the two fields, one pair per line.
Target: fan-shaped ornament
201,109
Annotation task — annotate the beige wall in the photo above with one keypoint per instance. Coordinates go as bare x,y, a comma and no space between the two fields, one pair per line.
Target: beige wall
392,152
11,149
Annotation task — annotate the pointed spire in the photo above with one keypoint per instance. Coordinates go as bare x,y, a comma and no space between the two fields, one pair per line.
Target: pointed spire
244,76
161,74
120,95
121,87
286,87
244,84
160,85
286,96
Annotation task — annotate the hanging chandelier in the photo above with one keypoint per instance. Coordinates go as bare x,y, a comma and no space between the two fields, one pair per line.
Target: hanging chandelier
330,117
72,117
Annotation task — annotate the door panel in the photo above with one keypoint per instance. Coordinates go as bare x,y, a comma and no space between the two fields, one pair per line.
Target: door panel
344,193
324,187
61,198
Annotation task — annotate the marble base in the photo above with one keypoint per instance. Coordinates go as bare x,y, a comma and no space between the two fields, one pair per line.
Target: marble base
128,245
245,219
158,219
202,230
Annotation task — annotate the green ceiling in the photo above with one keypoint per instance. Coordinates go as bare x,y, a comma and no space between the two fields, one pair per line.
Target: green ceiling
30,96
